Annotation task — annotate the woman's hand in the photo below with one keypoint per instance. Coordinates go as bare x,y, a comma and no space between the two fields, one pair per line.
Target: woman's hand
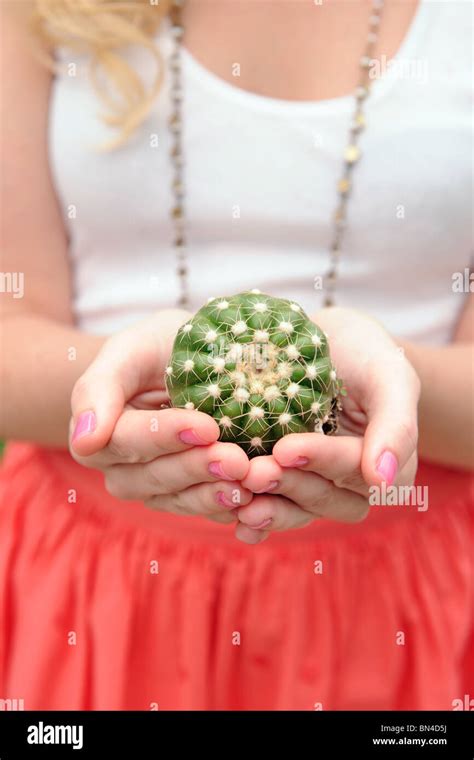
171,458
310,475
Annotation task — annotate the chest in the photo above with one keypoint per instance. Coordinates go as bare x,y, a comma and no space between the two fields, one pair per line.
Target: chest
295,50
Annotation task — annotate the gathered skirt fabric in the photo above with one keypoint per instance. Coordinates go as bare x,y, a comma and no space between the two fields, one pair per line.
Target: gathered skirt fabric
108,605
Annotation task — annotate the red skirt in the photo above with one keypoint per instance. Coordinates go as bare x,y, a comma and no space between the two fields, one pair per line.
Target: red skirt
107,605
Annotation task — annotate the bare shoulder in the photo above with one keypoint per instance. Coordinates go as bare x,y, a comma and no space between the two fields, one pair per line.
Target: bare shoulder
33,237
20,48
16,11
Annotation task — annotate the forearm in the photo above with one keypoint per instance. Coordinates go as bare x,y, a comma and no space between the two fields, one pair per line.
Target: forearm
446,409
41,361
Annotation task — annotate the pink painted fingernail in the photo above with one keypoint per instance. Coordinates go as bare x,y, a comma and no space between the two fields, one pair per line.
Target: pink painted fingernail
222,499
190,436
271,487
387,466
263,524
216,469
298,462
85,424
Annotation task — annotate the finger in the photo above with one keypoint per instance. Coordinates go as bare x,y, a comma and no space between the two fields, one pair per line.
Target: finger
150,400
206,499
273,513
336,458
97,400
175,472
392,433
249,535
264,475
321,498
315,497
142,436
224,519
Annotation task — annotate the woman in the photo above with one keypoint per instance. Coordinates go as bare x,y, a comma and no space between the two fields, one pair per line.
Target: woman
131,590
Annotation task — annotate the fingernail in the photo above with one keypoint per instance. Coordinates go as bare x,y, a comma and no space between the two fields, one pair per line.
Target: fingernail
216,469
85,424
222,499
298,462
271,487
387,466
261,525
190,436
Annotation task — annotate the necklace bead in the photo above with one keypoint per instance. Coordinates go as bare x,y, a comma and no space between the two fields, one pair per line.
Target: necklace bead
352,153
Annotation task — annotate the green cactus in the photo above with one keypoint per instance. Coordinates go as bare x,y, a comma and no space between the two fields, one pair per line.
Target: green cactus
259,366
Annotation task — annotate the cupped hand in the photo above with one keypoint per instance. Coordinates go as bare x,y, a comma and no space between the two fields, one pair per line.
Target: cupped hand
170,459
313,476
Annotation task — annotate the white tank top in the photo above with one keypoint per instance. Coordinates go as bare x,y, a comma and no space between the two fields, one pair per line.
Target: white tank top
261,176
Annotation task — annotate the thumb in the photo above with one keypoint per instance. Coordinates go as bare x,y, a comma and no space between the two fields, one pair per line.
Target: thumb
129,364
392,433
98,399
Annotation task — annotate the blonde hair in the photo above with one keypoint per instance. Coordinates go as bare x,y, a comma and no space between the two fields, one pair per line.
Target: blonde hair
102,29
